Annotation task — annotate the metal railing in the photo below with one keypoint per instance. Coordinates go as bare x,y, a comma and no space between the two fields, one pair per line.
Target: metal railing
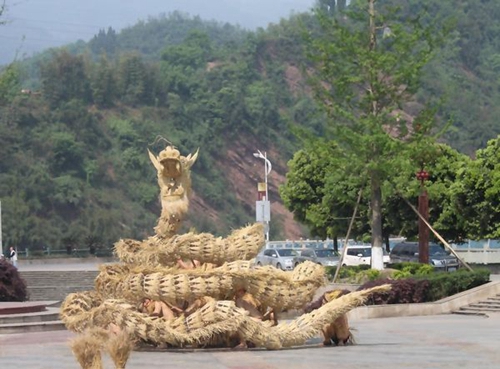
61,253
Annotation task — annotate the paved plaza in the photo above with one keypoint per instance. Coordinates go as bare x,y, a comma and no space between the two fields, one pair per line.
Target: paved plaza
444,341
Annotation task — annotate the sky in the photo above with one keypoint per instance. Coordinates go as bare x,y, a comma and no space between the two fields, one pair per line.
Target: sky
34,25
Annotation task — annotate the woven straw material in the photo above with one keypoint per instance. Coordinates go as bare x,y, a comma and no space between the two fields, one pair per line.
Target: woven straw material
119,347
241,244
75,308
111,318
174,180
172,214
272,287
216,318
306,326
87,350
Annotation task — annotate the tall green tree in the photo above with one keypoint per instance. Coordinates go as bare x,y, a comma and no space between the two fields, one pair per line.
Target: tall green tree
64,77
367,66
10,85
331,6
477,193
103,83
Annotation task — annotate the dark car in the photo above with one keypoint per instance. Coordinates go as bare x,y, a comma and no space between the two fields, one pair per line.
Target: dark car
326,257
439,258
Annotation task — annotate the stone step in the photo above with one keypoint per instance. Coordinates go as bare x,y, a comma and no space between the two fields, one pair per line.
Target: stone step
55,292
56,285
48,278
469,312
481,309
490,304
43,326
50,314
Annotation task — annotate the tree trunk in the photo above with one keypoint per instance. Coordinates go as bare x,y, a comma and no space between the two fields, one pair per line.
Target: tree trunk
376,208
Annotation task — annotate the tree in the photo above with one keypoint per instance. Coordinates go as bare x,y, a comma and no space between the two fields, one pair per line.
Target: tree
9,83
133,79
104,42
362,78
320,191
331,6
2,10
446,169
477,193
103,83
64,78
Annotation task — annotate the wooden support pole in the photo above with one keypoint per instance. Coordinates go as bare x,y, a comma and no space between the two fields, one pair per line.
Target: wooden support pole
446,244
339,265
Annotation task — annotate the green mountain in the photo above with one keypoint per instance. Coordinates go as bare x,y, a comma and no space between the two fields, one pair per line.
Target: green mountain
74,168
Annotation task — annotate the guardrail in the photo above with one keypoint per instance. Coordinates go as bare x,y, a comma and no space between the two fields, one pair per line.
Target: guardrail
74,253
473,252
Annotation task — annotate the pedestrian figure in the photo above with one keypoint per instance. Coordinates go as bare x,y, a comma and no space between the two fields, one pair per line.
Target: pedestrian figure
13,256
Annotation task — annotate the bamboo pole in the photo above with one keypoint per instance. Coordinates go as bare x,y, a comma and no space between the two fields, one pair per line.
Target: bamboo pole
347,237
447,245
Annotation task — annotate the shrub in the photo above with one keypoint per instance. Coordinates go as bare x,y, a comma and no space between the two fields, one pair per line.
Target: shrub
12,286
407,270
349,273
426,287
402,291
446,284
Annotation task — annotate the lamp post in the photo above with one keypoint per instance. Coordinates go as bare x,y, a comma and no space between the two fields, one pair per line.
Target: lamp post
423,209
262,205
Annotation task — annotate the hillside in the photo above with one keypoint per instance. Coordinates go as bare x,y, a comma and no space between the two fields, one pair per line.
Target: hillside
73,152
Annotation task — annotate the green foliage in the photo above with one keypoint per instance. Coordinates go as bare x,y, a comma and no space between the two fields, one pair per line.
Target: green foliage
103,83
447,284
476,194
407,270
427,288
353,274
105,42
65,77
73,159
373,274
10,85
358,79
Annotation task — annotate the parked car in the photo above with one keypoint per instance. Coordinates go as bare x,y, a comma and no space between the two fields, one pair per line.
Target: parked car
279,258
360,255
326,257
439,258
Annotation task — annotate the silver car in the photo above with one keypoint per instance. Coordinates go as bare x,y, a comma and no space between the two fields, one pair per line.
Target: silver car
279,258
326,257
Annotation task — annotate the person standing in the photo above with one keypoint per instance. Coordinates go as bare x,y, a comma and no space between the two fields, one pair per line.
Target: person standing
13,256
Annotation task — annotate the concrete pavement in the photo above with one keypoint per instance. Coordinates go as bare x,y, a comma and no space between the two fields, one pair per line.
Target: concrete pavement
443,341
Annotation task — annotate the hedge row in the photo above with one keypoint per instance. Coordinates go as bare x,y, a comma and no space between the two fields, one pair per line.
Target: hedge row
427,288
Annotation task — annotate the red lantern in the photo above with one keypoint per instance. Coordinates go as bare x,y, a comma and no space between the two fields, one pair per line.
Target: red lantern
422,176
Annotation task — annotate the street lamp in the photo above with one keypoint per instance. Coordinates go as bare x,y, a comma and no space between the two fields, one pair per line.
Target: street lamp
262,205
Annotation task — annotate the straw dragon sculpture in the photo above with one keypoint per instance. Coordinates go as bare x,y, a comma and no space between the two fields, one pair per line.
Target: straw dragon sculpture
108,319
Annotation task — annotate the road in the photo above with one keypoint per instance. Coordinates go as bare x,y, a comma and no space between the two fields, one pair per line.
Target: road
444,341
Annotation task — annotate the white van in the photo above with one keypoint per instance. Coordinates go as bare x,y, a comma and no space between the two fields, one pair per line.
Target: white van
361,254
